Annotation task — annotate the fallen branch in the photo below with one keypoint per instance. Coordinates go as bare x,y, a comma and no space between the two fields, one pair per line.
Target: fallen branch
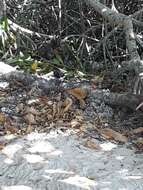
15,27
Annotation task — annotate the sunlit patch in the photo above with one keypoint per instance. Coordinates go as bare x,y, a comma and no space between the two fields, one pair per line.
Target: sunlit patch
10,150
132,35
52,134
82,182
141,74
55,153
59,171
47,177
123,171
106,182
119,157
104,10
32,101
42,146
16,187
32,158
108,146
5,68
8,161
4,84
140,36
35,136
10,137
135,177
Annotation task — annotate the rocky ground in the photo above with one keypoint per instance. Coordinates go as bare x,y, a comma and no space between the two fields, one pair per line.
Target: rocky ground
62,160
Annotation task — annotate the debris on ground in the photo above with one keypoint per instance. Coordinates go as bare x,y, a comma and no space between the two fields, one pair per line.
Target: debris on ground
31,103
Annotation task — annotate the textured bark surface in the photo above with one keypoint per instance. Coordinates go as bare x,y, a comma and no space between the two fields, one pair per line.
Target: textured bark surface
123,100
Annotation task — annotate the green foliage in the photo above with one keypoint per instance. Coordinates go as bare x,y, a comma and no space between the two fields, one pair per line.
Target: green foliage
7,38
23,62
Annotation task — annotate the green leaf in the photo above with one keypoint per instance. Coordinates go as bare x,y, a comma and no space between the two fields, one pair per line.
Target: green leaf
56,61
5,24
58,57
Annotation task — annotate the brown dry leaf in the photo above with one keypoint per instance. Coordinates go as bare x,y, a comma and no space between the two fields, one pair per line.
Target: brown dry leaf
49,116
2,145
75,124
20,107
2,118
54,109
92,145
31,110
67,104
79,118
82,103
78,93
11,129
29,129
59,108
30,118
137,131
111,134
62,123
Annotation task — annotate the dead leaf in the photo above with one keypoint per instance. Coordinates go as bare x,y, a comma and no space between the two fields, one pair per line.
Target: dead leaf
31,110
75,124
92,145
82,103
2,118
137,131
49,116
30,118
20,107
67,104
111,134
78,93
2,145
11,129
29,129
59,108
54,109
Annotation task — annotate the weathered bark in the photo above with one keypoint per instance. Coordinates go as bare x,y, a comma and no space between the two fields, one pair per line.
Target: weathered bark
124,100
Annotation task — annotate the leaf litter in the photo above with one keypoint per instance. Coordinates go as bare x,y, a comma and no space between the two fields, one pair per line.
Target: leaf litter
25,109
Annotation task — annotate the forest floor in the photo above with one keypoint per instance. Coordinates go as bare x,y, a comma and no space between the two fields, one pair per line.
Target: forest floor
52,138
